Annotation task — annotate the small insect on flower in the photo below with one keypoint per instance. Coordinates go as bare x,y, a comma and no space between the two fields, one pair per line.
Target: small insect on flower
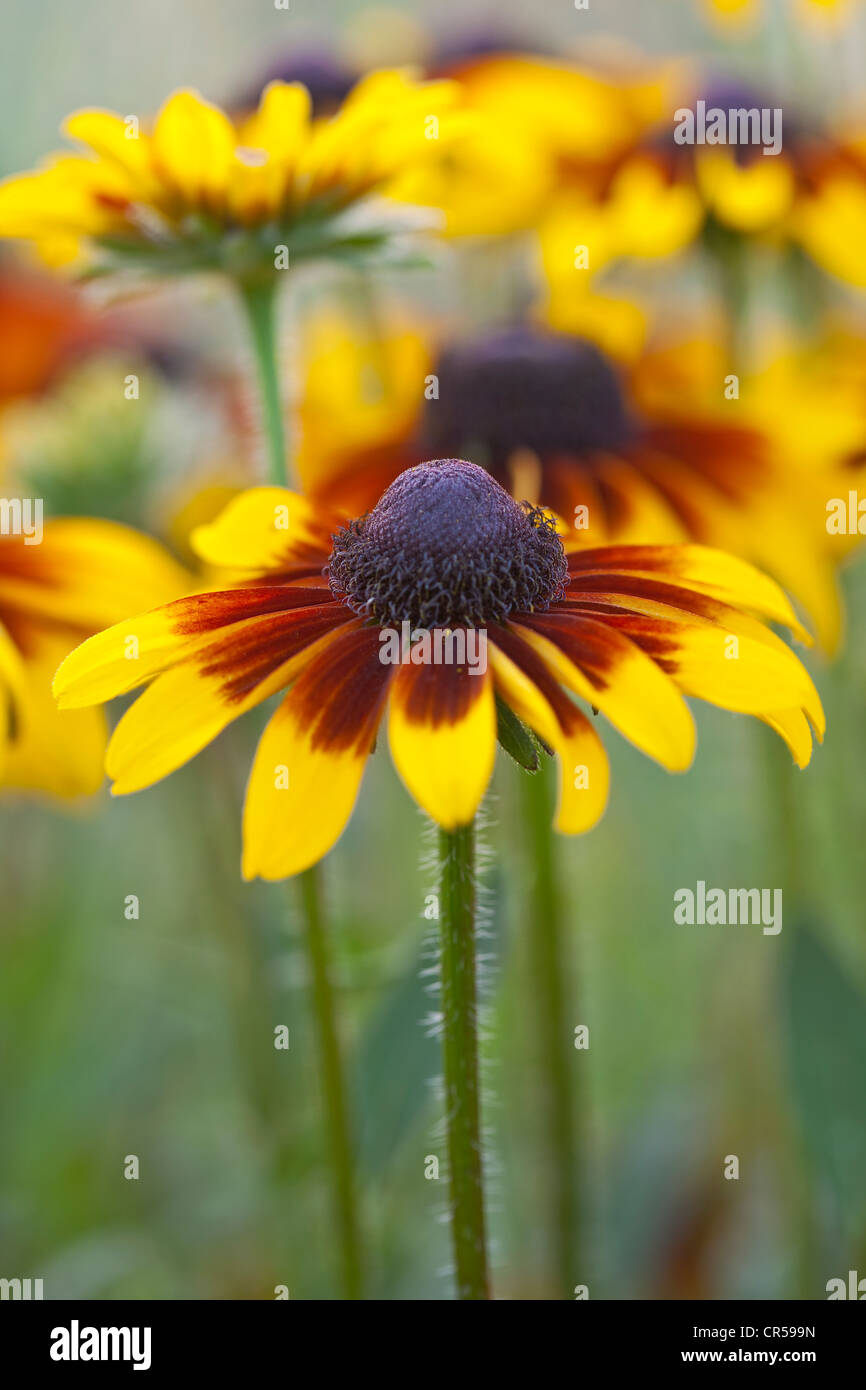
200,192
628,630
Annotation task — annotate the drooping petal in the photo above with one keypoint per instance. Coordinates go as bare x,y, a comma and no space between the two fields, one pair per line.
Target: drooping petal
730,659
311,757
584,771
792,726
442,733
601,665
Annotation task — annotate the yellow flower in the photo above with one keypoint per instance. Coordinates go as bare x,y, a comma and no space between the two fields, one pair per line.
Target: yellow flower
198,191
82,575
446,551
660,197
538,126
641,212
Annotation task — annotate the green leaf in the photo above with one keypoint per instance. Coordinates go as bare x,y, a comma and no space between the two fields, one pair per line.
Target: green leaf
518,741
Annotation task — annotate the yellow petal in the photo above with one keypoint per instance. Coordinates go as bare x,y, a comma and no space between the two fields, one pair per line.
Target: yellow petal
584,771
119,659
114,139
280,126
57,201
311,757
183,711
698,567
749,197
623,682
261,531
792,726
442,734
208,624
55,752
832,228
89,573
13,683
193,149
728,659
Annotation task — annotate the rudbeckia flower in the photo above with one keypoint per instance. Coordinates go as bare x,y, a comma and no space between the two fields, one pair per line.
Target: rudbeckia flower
652,454
82,575
199,192
627,630
538,126
661,196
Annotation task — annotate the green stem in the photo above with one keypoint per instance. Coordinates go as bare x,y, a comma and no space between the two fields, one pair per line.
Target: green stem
260,303
259,300
333,1085
459,1006
557,1090
729,252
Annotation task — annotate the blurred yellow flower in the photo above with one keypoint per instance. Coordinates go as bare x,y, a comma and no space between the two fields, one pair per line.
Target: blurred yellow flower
655,454
660,196
539,126
199,191
80,575
739,13
801,415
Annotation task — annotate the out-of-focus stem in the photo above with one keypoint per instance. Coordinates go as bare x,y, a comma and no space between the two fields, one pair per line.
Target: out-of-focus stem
333,1085
260,304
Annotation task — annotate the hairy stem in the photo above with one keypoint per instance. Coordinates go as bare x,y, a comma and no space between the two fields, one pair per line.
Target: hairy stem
551,992
459,1006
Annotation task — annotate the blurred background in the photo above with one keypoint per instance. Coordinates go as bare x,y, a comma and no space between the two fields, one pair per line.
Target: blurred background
153,1037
